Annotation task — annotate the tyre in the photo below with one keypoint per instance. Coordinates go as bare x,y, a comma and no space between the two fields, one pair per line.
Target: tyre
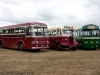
37,50
74,48
59,47
20,46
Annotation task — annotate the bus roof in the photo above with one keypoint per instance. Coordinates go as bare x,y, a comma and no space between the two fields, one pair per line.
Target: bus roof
22,24
90,26
64,26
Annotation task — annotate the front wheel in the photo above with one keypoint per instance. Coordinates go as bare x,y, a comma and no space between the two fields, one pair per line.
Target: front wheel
1,44
74,48
59,47
20,46
37,50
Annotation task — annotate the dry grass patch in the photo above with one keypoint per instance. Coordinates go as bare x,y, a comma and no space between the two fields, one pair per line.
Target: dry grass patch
49,62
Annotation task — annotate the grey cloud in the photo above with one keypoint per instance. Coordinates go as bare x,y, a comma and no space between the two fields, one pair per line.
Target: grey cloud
88,5
53,15
94,2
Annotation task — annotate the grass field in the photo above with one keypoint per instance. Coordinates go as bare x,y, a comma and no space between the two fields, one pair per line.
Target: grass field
51,62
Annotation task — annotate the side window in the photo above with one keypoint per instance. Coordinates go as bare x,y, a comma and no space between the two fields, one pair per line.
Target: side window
27,31
81,33
16,30
0,31
49,33
53,33
58,32
12,31
75,33
4,31
99,32
8,31
22,30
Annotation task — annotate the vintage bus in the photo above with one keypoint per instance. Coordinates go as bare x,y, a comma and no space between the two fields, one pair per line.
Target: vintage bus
88,36
62,37
31,35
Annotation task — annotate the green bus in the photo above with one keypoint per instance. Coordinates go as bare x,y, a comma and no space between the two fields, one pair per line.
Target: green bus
88,37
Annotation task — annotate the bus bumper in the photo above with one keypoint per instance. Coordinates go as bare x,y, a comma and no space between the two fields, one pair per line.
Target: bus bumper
39,47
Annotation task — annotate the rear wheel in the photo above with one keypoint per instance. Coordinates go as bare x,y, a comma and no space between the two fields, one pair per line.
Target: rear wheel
59,47
20,46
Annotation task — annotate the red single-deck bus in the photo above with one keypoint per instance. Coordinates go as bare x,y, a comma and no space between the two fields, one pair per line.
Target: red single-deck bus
32,35
62,37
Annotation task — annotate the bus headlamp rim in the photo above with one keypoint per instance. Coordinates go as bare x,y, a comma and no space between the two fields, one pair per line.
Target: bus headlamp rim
36,42
47,42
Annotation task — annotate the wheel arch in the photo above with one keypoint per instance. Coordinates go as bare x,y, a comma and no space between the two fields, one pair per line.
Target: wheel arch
57,43
21,41
19,45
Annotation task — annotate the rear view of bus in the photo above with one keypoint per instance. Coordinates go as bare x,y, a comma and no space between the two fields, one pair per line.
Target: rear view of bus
61,37
31,35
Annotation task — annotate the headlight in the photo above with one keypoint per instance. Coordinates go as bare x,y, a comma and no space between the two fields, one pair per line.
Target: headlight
36,42
65,39
97,41
86,41
47,41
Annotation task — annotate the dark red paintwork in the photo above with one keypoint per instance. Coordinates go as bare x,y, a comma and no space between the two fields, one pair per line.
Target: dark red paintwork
29,42
65,41
23,24
12,40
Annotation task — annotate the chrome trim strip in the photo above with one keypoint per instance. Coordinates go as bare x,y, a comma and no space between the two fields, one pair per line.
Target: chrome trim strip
39,47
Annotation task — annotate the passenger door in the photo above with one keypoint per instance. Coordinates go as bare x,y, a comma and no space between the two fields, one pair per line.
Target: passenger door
53,39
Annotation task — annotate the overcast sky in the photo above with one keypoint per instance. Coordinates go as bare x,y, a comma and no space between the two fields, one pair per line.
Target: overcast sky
52,12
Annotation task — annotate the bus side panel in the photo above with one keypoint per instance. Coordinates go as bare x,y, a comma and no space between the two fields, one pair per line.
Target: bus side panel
0,37
16,40
71,41
36,42
7,42
29,43
53,42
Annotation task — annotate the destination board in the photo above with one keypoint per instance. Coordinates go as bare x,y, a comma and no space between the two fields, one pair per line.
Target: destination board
91,27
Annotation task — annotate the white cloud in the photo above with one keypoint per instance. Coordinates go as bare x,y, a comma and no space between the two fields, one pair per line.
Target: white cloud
52,12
